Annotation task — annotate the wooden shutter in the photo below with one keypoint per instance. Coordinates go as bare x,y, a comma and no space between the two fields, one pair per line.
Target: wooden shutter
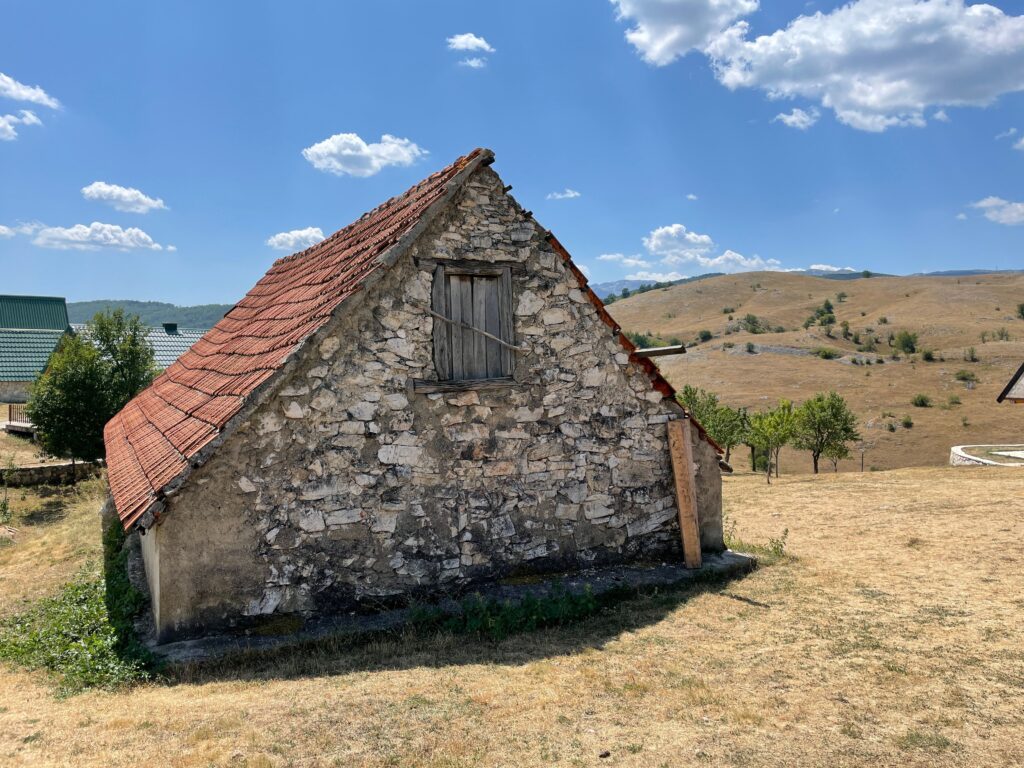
472,298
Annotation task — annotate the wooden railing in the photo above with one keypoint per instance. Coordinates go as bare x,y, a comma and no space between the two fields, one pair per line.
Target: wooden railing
16,412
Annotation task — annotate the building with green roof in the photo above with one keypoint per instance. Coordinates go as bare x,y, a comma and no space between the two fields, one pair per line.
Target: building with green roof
30,328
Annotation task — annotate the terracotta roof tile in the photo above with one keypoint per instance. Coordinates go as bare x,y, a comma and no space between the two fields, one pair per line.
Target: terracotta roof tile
151,442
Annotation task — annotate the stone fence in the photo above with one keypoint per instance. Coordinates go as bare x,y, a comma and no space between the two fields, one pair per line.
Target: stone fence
52,474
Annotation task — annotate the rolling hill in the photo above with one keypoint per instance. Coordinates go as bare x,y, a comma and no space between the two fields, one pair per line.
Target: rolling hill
950,315
151,312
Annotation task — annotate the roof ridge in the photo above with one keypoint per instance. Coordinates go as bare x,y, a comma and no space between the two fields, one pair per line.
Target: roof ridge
229,371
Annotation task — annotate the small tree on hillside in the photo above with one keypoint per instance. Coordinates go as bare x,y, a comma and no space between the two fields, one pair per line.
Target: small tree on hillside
732,427
824,423
770,430
70,402
727,426
905,342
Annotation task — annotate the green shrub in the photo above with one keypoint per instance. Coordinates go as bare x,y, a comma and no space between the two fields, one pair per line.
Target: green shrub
825,353
704,335
928,356
954,400
883,320
907,422
905,342
728,310
84,635
921,401
751,349
1002,335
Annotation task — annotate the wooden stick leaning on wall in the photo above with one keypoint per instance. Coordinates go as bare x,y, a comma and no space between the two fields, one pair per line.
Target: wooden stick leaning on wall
680,450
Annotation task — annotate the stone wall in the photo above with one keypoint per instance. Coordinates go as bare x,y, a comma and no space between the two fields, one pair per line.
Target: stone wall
347,486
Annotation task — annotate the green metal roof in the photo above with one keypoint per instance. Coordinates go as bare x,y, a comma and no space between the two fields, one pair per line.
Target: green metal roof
23,353
33,312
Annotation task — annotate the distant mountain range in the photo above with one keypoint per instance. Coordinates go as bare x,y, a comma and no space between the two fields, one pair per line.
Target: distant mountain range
151,312
207,315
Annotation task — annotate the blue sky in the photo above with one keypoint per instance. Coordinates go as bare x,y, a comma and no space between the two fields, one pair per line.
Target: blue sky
674,122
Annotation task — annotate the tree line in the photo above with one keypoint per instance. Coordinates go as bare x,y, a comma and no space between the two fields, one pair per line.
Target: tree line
822,425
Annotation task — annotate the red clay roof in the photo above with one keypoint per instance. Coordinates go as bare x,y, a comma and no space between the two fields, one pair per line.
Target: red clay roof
153,439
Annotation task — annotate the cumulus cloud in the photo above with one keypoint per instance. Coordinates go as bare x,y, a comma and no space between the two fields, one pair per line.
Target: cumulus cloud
93,237
961,216
8,123
1001,211
798,118
474,62
33,94
1006,134
584,269
1020,144
295,239
657,277
624,260
566,194
830,268
347,154
6,232
127,199
691,196
880,63
469,42
941,116
674,245
664,30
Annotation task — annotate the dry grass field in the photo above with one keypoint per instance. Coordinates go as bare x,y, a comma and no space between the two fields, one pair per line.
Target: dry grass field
21,451
892,637
948,314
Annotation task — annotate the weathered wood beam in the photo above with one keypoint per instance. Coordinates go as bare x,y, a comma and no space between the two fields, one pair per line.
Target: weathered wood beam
680,449
424,386
675,349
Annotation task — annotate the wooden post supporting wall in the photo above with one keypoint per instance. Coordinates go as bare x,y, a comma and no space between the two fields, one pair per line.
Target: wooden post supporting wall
680,449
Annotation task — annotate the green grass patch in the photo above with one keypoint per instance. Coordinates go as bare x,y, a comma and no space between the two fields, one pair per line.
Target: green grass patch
496,620
84,635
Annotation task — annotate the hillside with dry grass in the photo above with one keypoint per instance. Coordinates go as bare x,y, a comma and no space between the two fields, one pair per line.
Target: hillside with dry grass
950,315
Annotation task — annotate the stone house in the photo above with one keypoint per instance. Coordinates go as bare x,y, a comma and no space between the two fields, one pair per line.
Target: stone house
428,398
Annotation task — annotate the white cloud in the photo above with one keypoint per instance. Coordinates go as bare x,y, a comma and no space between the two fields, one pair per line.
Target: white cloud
676,244
584,269
567,194
6,232
469,42
961,216
8,132
830,268
127,199
93,237
296,239
1006,134
691,196
657,277
664,30
474,62
1001,211
1020,144
346,153
624,260
798,118
941,116
12,89
880,63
